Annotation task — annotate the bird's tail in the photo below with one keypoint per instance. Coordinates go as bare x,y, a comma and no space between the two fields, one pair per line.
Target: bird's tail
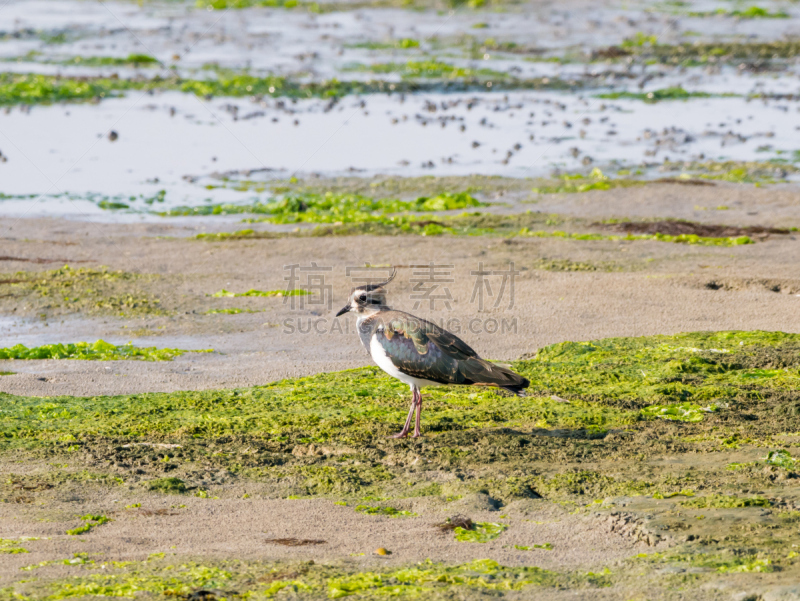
519,389
482,373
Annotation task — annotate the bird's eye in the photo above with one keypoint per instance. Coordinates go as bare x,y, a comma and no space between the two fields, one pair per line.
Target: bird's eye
363,298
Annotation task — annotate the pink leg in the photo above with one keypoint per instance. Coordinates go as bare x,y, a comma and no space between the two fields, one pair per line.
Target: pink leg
404,432
417,431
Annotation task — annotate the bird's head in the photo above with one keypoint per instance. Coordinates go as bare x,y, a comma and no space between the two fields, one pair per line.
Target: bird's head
368,299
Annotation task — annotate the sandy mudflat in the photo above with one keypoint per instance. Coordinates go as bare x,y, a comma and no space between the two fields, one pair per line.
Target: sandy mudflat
631,289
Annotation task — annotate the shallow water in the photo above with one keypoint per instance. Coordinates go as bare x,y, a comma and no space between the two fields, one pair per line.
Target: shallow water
184,144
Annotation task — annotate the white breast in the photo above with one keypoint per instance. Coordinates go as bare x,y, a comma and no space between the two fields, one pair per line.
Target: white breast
385,363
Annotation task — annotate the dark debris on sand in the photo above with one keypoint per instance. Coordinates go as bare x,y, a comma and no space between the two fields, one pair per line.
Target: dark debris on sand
680,227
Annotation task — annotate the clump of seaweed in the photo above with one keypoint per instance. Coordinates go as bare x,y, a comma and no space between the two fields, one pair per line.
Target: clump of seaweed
725,502
295,542
171,486
738,172
459,521
384,510
578,182
90,522
92,351
672,93
31,88
132,60
86,289
687,54
430,69
333,208
260,293
681,227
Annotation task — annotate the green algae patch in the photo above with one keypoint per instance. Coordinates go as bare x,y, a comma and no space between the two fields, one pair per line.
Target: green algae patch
401,44
751,564
331,208
170,580
237,235
345,209
349,208
12,546
572,183
91,351
466,224
608,382
335,479
725,502
262,293
232,311
666,372
387,511
481,532
430,69
90,522
574,266
132,60
543,546
31,88
691,239
751,12
727,561
428,577
44,89
703,53
170,486
681,412
89,290
781,458
589,420
737,172
673,93
680,493
77,559
357,407
308,580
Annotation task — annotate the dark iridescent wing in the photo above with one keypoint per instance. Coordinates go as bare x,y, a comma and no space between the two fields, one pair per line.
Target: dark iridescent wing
424,350
450,343
414,354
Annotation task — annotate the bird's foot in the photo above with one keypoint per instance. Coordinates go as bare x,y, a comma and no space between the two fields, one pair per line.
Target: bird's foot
402,434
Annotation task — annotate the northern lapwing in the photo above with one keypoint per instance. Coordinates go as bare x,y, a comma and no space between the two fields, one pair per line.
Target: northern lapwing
420,353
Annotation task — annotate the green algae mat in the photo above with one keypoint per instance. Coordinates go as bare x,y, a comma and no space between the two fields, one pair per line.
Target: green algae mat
705,386
92,351
156,578
690,438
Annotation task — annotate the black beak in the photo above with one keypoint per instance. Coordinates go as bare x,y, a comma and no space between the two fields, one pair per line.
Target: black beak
344,310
